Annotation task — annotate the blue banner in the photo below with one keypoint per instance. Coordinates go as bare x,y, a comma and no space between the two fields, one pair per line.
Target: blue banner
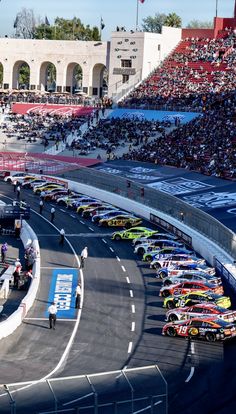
63,284
150,115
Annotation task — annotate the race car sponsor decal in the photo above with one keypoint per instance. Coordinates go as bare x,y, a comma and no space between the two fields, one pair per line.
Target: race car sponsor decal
178,186
63,284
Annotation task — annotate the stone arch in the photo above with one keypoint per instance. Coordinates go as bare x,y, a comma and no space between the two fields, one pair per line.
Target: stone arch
99,79
47,77
1,75
21,75
74,77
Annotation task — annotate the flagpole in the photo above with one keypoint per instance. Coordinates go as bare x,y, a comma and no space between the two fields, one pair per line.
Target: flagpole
137,15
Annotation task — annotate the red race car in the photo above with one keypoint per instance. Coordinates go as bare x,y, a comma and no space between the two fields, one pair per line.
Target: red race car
189,286
211,329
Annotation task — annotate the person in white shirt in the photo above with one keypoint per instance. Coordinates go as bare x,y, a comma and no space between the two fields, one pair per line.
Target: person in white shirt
52,310
40,206
52,214
83,256
78,296
62,236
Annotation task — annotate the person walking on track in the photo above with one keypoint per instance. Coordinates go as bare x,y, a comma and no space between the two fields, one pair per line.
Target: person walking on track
41,207
78,296
62,237
52,310
83,257
52,214
18,192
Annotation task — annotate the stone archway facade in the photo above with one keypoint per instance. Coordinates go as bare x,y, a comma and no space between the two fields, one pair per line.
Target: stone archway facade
64,55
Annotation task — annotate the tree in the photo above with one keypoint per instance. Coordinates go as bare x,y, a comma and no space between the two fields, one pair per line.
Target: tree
173,20
65,29
1,75
197,24
154,24
25,23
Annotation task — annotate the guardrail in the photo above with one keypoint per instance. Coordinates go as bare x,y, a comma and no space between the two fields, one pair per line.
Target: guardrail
192,217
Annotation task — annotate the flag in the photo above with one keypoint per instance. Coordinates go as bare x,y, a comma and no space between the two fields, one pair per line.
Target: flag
102,24
47,21
16,22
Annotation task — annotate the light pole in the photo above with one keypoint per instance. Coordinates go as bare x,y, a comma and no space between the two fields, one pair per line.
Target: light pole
216,8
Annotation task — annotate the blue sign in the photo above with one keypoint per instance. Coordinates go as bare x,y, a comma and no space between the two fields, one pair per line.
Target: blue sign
150,115
63,284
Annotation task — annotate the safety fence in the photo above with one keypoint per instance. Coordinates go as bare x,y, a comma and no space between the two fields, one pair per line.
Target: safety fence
192,217
128,391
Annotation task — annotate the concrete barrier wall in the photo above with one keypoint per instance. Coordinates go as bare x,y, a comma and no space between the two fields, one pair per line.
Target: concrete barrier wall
8,326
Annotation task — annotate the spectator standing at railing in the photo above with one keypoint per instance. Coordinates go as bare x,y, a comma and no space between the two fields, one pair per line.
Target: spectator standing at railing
4,249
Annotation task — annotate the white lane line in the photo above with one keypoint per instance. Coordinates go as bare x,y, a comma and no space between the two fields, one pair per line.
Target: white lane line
118,258
82,222
133,308
190,375
111,249
72,215
127,279
56,267
133,327
61,209
90,228
130,347
104,241
123,268
131,293
192,348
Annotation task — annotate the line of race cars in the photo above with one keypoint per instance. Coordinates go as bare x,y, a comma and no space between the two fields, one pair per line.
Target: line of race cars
193,293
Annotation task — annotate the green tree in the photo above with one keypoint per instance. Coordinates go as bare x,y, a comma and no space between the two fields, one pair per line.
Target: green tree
65,29
154,24
173,20
198,24
24,76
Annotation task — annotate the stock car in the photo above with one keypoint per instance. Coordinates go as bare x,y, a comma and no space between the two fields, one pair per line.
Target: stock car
108,214
166,259
88,206
38,190
32,182
157,254
19,176
121,220
54,194
104,208
190,286
211,329
195,276
193,298
74,204
185,267
153,237
131,233
143,248
62,201
201,309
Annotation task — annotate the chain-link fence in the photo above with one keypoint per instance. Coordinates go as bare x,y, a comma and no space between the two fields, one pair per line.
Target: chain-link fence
172,206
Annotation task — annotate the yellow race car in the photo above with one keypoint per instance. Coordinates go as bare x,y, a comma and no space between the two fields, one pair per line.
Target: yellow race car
38,190
120,221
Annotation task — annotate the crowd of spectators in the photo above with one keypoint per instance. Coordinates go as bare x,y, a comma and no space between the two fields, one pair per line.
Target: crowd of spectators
195,68
207,144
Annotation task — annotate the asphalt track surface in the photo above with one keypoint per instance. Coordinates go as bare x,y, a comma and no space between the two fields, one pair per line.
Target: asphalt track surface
119,326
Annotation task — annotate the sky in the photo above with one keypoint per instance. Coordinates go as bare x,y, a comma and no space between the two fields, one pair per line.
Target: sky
113,12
